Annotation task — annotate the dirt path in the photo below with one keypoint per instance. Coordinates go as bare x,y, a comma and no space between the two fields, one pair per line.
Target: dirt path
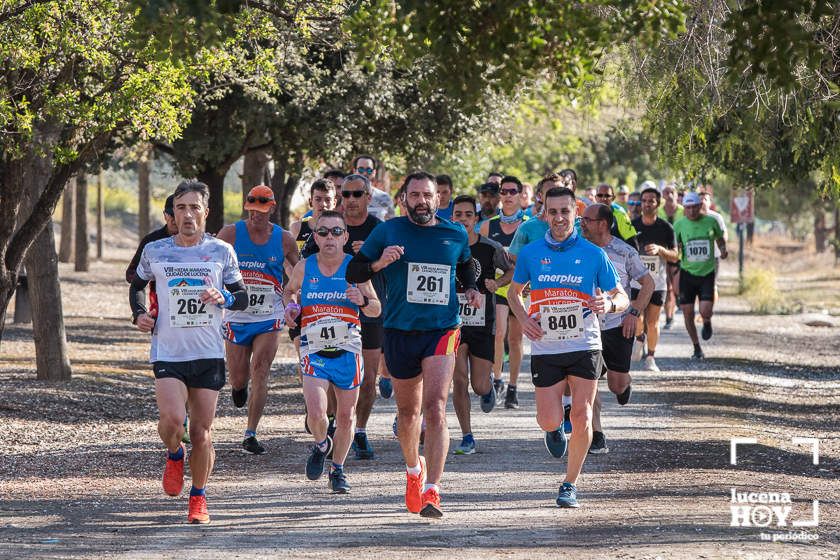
79,463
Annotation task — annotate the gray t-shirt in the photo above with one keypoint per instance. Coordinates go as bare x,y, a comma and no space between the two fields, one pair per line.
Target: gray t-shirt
187,329
381,205
629,267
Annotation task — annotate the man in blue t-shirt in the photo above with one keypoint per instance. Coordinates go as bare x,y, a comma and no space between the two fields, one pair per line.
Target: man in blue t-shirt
420,255
572,281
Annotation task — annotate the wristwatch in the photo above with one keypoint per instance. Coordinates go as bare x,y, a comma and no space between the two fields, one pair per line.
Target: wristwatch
366,302
612,305
633,311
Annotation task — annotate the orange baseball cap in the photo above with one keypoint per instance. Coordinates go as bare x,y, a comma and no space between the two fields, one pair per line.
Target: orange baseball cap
260,198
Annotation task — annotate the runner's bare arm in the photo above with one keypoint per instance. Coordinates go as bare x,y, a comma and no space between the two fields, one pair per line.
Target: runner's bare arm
290,249
601,302
670,255
640,303
228,234
290,294
530,327
294,229
721,243
358,294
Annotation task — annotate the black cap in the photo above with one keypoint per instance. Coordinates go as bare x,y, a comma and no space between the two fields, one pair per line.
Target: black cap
169,205
491,188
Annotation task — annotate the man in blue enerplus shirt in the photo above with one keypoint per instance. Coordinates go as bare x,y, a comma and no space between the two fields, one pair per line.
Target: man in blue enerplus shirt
420,256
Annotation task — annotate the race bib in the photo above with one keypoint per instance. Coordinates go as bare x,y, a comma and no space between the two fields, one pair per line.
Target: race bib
260,299
697,250
562,322
471,316
186,308
327,333
428,283
652,263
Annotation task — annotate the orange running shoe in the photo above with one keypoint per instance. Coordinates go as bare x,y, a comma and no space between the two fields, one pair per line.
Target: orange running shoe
431,504
173,474
198,510
414,487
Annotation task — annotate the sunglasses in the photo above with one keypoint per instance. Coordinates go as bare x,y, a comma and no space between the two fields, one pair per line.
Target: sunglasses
633,203
587,220
260,199
335,231
509,191
365,170
354,194
603,196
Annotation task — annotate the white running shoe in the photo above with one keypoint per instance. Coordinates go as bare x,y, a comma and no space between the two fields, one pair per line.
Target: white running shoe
638,350
650,364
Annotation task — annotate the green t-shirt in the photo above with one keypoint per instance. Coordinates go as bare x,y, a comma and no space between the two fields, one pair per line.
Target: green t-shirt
695,239
679,214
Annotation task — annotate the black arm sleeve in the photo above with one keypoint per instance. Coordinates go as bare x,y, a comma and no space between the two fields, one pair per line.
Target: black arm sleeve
358,269
465,273
137,296
240,295
309,248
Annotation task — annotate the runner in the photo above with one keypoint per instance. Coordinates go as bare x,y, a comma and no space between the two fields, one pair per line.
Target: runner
327,308
571,281
634,205
474,360
622,228
617,329
621,196
495,177
656,241
707,208
356,193
526,199
671,211
444,187
322,196
381,205
501,229
488,199
196,275
253,335
420,254
695,235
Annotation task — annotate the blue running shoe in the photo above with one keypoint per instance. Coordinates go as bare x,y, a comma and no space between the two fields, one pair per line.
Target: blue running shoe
467,446
315,462
555,443
567,419
362,447
488,401
394,428
338,481
567,497
186,437
386,388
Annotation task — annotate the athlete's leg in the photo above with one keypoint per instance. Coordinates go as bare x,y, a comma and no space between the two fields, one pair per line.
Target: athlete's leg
171,395
202,412
514,347
596,413
652,326
263,351
617,382
408,394
549,403
238,360
460,388
344,415
688,316
437,377
480,375
706,308
502,313
367,392
583,395
315,396
331,404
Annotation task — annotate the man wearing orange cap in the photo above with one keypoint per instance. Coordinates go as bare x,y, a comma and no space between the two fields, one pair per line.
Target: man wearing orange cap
253,335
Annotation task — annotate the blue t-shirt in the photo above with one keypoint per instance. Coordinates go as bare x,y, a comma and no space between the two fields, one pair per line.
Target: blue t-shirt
527,233
446,213
421,284
563,282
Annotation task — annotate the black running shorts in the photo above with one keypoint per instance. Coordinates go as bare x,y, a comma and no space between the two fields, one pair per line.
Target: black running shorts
693,287
195,374
550,369
617,350
480,341
657,298
372,334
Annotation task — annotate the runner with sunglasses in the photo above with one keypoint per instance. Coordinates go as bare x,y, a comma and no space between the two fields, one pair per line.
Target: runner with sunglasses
327,308
252,335
380,204
420,256
356,198
622,228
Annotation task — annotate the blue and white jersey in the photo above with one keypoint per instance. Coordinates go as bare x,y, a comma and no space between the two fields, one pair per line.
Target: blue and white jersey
187,329
262,270
329,321
563,282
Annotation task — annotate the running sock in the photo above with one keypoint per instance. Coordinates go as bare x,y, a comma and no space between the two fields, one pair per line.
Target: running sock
468,436
511,386
650,353
640,338
361,430
413,470
567,400
427,487
196,491
250,433
322,446
337,467
178,455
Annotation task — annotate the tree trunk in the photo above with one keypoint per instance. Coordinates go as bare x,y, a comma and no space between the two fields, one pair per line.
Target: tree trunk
100,215
287,173
215,180
144,170
278,182
68,216
254,167
48,321
836,236
820,238
82,241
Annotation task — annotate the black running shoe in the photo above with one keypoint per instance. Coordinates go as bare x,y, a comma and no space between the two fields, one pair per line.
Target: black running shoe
510,398
706,332
599,444
331,426
338,482
315,462
624,397
239,396
567,419
362,447
251,445
698,354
